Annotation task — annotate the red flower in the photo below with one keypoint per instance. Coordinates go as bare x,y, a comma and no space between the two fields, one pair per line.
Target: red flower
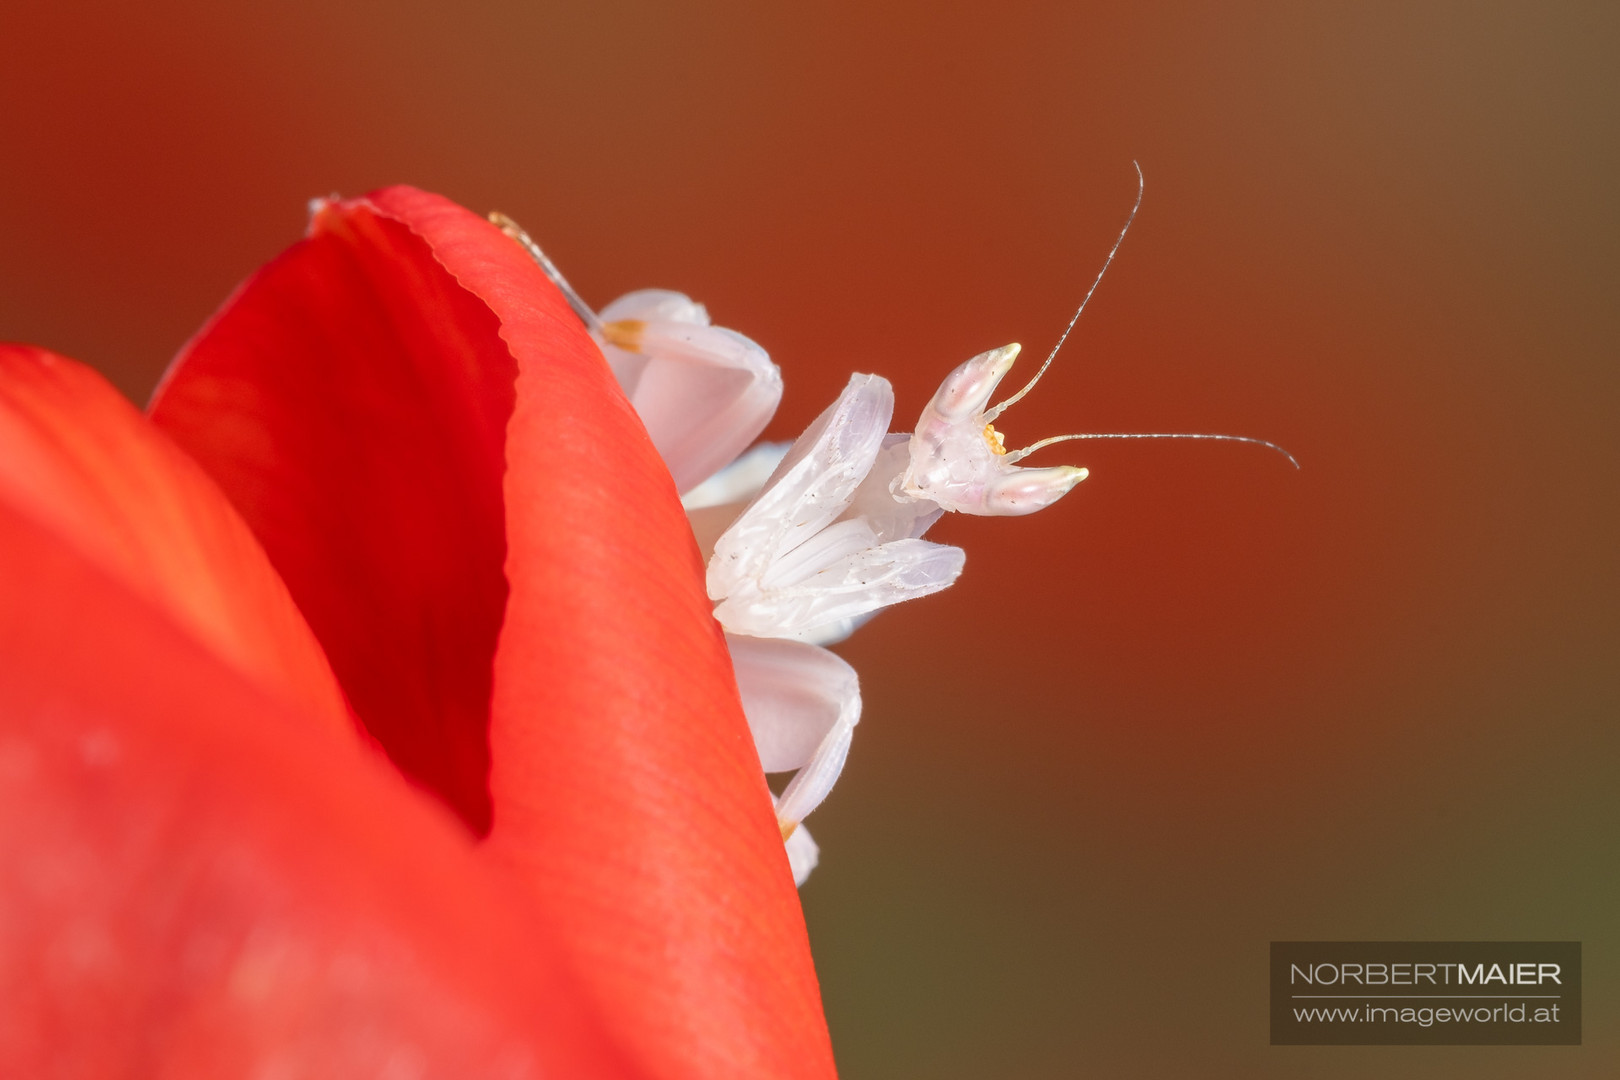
567,863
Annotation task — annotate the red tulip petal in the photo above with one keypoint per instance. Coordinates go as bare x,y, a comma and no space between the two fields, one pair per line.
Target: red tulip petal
351,399
76,456
186,892
625,780
626,788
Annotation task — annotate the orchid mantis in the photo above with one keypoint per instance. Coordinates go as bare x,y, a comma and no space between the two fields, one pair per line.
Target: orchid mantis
806,542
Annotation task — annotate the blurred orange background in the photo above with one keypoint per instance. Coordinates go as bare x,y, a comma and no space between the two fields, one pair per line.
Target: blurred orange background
1204,703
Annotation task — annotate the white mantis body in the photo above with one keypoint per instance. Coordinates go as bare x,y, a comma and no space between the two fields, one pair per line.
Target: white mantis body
815,537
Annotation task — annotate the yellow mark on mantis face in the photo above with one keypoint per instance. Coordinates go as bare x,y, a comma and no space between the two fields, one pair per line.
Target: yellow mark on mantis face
997,441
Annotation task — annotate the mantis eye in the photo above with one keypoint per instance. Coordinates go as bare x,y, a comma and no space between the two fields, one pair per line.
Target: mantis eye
966,391
961,462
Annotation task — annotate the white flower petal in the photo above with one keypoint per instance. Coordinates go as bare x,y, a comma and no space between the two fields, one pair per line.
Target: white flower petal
793,695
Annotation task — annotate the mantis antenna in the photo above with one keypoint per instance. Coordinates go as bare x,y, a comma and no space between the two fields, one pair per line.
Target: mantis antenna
1017,455
999,409
515,231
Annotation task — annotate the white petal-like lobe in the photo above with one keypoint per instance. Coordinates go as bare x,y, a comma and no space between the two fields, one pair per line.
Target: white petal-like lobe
794,694
656,305
738,482
703,392
834,632
811,784
809,489
845,589
645,305
836,542
803,854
